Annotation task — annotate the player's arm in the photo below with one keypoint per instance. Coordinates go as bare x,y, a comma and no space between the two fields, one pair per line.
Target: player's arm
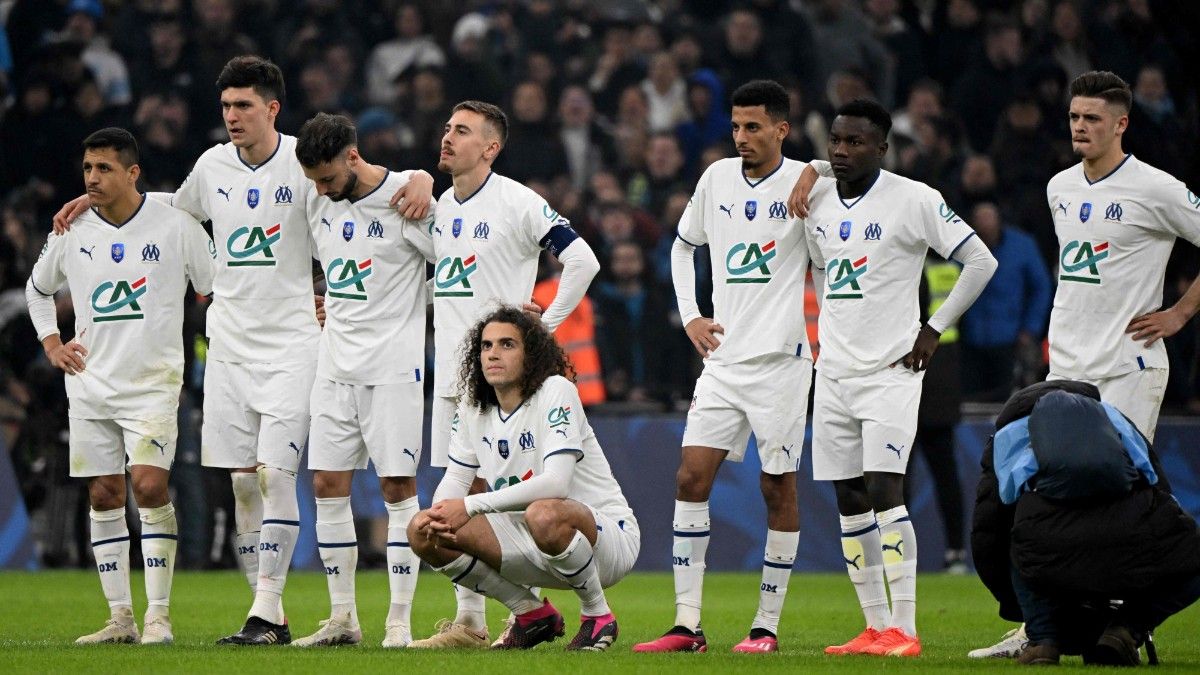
798,199
1179,216
47,277
555,234
200,257
448,512
701,330
413,198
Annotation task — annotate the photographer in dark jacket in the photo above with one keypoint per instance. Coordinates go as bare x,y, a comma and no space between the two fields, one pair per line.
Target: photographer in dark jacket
1076,531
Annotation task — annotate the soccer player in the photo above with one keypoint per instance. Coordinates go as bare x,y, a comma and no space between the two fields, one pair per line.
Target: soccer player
555,516
490,231
261,326
758,363
363,406
868,232
1117,219
127,264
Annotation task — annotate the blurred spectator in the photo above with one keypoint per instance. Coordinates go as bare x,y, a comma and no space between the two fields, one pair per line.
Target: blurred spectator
953,42
844,42
1068,41
743,56
807,137
470,72
587,146
167,151
533,151
903,47
924,102
303,30
34,140
89,112
215,40
424,112
648,189
666,93
788,36
1025,160
319,91
688,53
938,160
616,70
169,64
976,184
108,68
631,129
378,139
1155,133
709,113
412,46
1005,326
984,88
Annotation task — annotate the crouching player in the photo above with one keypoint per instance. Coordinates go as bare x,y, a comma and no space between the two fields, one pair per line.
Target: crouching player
555,516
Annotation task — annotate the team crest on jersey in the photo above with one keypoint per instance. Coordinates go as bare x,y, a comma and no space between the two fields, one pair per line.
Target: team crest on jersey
348,230
1080,261
456,228
482,230
844,276
345,278
873,232
526,441
777,211
150,253
375,230
751,209
118,252
452,277
118,300
1114,212
283,195
1085,212
251,246
746,263
252,197
502,448
844,230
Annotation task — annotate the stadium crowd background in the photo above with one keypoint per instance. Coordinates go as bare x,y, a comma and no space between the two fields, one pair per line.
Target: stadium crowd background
615,109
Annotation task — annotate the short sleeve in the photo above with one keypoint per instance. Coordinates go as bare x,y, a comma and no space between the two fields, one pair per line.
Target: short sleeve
537,219
200,255
460,451
944,230
49,273
561,418
190,196
1176,211
691,223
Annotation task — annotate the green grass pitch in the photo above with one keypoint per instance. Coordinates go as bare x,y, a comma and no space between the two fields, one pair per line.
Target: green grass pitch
44,612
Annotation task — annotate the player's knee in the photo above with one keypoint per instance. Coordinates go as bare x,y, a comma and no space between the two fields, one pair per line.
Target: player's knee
852,497
778,491
692,484
150,490
546,522
397,489
106,493
886,490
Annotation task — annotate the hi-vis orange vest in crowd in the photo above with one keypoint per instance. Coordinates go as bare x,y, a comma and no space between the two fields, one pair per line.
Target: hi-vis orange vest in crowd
577,337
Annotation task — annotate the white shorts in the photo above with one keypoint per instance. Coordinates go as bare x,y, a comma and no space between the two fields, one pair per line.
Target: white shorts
255,413
864,423
102,447
767,395
355,422
522,562
440,419
1138,394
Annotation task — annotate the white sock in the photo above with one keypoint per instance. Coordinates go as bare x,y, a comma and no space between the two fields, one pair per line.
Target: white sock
160,535
864,563
687,560
110,546
577,564
470,572
471,607
277,540
338,545
899,548
247,520
403,566
778,557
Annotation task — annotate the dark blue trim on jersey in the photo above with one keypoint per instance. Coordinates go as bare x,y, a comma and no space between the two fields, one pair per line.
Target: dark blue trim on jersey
375,189
585,566
248,165
558,239
760,180
559,452
131,217
704,533
778,566
469,466
1116,169
901,519
114,540
481,186
276,521
347,544
858,198
40,291
972,234
687,242
401,544
500,413
161,536
466,571
1141,363
872,526
418,373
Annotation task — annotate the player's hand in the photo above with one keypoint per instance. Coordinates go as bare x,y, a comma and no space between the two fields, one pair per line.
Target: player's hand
1155,325
923,348
534,310
319,301
703,332
413,198
68,357
798,200
447,516
69,212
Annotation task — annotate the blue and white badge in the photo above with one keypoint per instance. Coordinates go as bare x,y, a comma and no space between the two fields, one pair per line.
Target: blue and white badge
252,197
844,230
348,230
118,252
456,229
751,209
502,448
1085,212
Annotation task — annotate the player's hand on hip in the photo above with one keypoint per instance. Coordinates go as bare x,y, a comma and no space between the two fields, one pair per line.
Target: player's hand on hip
702,331
923,348
69,212
1155,325
68,357
319,301
798,199
413,198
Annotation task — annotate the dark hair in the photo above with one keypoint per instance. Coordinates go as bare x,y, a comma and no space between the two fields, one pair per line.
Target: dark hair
543,357
253,71
118,139
767,93
869,110
323,138
492,114
1103,84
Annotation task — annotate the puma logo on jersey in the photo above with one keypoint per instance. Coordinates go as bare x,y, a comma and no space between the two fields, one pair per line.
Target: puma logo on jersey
895,449
162,447
295,447
88,251
224,193
1062,206
820,229
410,453
727,209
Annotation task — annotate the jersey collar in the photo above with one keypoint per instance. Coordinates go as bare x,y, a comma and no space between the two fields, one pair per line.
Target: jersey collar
127,220
477,190
860,197
256,167
762,180
1115,169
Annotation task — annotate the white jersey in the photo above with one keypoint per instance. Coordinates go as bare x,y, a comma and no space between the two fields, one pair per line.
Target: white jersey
1114,238
510,449
374,262
487,248
262,311
127,285
873,249
759,259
